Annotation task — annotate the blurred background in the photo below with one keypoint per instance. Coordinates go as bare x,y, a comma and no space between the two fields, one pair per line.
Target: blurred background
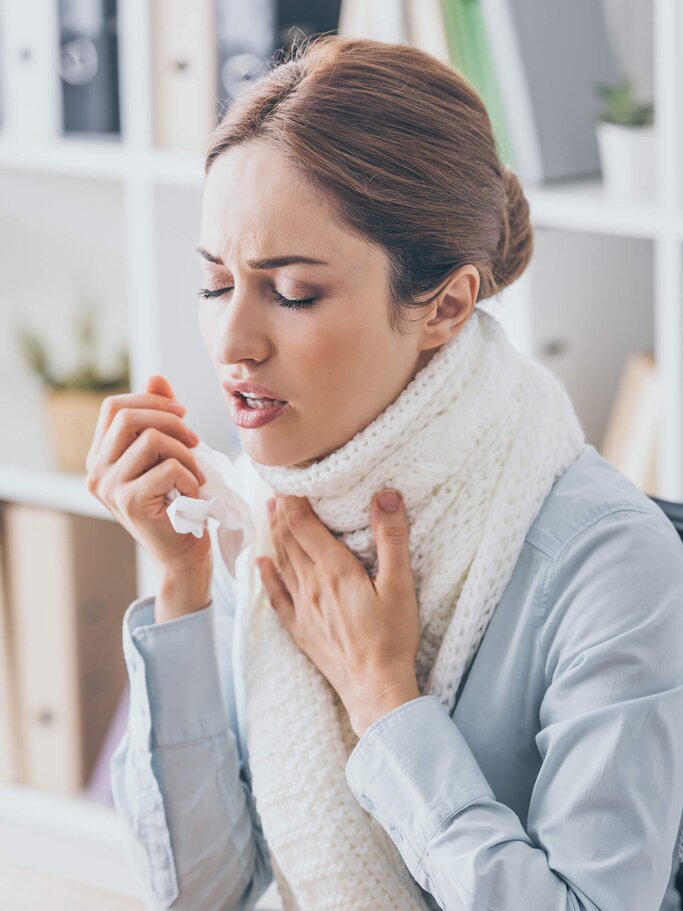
105,112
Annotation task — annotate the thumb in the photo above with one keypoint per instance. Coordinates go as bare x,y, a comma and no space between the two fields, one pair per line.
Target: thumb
391,535
159,385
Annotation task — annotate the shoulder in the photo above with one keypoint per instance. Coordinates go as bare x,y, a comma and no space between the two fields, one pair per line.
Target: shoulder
614,577
588,492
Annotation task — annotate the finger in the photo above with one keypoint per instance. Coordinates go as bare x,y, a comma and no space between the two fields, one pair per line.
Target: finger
130,423
286,569
114,403
146,494
149,449
297,556
315,539
278,595
159,385
391,536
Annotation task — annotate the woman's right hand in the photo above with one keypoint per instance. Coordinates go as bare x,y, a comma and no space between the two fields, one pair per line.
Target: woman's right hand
140,450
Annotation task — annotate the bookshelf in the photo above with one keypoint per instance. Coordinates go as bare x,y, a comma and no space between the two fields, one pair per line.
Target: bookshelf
584,330
606,278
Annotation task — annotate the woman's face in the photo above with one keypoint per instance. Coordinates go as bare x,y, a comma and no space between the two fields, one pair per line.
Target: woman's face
337,363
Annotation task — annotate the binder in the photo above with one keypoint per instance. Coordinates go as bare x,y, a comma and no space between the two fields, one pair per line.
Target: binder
11,747
381,20
184,74
427,28
470,53
88,66
246,37
70,580
548,55
631,437
29,56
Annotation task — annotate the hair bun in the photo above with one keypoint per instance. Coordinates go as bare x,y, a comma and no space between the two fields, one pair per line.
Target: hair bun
516,243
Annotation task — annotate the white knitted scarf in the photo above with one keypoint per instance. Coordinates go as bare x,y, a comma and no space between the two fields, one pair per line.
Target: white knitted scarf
474,444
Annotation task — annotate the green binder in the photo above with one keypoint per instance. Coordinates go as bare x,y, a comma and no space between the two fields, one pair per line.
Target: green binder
470,53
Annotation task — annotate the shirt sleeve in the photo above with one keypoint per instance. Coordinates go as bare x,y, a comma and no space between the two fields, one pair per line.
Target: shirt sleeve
192,833
606,805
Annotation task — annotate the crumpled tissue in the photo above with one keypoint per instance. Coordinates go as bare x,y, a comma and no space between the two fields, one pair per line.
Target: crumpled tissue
219,500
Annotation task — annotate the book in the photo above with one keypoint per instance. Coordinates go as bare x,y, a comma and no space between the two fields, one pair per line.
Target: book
70,579
631,437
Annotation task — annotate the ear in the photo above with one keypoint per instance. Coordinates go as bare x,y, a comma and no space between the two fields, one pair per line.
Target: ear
451,309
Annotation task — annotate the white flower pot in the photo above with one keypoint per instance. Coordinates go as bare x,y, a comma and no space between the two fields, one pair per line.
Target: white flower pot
627,160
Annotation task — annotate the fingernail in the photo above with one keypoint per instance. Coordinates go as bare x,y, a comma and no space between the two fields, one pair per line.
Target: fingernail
388,500
202,479
176,406
271,505
194,436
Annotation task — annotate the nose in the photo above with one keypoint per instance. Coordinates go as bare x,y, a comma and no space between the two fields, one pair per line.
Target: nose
242,331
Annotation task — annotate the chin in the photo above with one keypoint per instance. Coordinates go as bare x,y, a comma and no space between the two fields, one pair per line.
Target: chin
267,455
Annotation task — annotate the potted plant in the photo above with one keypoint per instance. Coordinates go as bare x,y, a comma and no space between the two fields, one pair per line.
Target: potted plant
626,141
73,400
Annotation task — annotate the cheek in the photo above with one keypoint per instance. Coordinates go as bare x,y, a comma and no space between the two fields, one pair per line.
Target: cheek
210,327
326,353
340,361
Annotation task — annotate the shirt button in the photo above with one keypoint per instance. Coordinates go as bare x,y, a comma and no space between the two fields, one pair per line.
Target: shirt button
150,803
366,803
159,855
395,834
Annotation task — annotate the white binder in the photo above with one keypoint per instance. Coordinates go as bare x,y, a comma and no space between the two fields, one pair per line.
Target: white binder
29,57
185,71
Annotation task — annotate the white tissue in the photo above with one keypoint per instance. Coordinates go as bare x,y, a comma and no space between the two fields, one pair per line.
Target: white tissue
219,500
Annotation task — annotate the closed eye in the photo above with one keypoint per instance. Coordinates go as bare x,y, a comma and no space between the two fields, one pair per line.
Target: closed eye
291,303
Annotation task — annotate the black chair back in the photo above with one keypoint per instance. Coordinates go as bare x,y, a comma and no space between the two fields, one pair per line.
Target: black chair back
673,511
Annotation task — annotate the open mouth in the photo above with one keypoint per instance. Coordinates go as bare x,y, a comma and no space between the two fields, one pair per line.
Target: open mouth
259,403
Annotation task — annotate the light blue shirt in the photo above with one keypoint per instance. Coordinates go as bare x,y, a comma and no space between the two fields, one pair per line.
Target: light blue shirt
556,784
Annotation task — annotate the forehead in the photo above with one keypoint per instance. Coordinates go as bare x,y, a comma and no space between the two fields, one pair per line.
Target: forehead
255,202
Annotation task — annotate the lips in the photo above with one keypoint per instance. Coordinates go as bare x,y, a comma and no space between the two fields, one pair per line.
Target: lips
250,418
239,388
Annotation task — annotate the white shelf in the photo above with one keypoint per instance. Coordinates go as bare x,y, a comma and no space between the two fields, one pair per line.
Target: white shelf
580,205
52,833
104,159
99,158
50,489
585,206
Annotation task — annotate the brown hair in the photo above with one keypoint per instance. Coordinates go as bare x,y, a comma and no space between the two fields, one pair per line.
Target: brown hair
402,146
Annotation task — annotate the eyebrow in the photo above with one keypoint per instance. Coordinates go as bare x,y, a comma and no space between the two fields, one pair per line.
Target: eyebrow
272,263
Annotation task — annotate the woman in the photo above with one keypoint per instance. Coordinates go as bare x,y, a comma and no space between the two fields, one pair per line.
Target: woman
454,679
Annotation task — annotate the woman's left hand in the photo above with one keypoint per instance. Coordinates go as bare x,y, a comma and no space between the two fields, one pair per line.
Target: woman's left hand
362,634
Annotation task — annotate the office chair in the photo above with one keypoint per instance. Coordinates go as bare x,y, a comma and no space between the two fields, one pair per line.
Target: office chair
674,511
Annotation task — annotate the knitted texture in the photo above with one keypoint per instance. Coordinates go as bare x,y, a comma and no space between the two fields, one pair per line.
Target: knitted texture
474,444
